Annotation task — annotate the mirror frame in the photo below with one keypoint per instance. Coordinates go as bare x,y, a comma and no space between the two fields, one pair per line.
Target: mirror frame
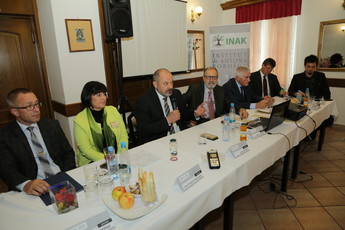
203,51
321,35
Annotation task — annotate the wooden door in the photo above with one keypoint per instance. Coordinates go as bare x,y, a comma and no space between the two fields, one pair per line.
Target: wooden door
20,63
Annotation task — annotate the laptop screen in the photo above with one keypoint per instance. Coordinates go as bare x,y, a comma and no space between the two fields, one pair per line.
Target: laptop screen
277,115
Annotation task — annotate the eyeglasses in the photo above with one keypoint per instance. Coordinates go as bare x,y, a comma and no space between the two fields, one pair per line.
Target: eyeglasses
211,77
30,107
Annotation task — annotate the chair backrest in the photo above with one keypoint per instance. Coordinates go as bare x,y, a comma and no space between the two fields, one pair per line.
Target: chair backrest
131,123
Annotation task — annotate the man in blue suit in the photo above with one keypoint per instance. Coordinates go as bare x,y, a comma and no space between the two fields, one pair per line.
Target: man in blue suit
238,91
21,167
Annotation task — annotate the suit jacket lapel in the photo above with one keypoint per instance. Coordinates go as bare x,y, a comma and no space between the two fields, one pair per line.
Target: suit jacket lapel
156,103
22,138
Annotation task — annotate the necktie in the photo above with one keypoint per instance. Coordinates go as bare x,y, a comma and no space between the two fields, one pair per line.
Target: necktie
40,153
265,86
210,105
167,111
242,93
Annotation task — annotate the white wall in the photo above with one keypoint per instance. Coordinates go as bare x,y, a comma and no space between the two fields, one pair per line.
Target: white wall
68,72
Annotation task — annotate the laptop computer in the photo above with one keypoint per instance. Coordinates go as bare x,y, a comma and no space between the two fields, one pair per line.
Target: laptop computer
277,117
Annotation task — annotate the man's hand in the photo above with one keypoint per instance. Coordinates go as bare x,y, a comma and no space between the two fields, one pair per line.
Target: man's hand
36,187
262,104
173,116
243,113
200,111
302,94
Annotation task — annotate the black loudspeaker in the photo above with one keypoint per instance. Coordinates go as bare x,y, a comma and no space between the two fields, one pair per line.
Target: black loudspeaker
117,18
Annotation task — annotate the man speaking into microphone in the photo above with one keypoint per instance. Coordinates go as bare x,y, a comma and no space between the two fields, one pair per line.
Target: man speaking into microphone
161,110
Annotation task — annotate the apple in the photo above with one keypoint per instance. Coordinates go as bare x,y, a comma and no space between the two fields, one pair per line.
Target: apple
126,200
117,192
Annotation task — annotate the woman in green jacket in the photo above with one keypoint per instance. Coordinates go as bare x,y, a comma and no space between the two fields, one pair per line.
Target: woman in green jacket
98,125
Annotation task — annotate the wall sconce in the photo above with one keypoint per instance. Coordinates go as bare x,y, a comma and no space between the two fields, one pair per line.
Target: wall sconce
342,28
196,13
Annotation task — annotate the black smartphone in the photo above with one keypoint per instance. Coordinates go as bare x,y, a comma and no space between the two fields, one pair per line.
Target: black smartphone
213,159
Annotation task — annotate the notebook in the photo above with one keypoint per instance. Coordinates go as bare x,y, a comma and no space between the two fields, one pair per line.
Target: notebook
277,117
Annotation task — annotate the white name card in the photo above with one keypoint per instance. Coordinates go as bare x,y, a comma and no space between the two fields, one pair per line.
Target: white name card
256,132
101,221
187,179
239,149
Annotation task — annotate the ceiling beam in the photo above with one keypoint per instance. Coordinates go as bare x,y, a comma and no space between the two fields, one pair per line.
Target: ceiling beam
237,3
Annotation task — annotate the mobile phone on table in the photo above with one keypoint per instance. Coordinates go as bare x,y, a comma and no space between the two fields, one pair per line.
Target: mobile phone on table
209,136
213,159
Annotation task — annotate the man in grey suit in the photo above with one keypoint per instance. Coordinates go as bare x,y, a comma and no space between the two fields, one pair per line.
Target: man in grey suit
212,95
32,148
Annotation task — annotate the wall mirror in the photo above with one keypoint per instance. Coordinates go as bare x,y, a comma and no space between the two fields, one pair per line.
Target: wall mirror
196,50
331,49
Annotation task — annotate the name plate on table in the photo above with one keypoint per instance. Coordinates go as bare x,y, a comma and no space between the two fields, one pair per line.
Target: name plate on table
101,221
256,132
239,149
187,179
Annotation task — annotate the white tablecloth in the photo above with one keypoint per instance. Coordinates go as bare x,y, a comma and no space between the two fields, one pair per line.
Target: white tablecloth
182,209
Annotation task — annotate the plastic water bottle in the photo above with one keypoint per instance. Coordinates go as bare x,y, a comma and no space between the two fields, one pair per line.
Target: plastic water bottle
124,164
112,163
299,97
226,129
306,98
232,114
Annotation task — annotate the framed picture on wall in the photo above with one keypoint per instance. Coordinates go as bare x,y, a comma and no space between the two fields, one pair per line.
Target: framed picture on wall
79,34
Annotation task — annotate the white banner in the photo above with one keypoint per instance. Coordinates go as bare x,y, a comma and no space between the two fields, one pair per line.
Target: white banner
229,49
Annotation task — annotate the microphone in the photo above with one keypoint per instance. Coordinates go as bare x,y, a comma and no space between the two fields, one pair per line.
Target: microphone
173,103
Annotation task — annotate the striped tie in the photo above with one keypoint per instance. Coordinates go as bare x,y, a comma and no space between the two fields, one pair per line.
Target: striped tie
40,153
167,111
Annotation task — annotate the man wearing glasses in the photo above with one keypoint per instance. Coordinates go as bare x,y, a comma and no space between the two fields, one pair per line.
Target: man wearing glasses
212,95
32,148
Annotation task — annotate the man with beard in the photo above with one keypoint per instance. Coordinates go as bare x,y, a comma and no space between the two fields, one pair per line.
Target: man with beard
162,111
314,80
311,78
212,95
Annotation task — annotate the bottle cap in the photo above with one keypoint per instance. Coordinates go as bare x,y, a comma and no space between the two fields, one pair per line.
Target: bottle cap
172,140
123,144
226,118
110,148
232,104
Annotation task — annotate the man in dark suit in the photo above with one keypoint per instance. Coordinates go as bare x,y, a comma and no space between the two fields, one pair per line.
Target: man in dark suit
238,91
263,82
162,110
21,167
214,95
311,78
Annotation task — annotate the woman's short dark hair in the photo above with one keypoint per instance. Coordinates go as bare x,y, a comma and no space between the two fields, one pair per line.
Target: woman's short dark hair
89,89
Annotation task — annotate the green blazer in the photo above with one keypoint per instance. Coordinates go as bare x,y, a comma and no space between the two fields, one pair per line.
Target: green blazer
86,149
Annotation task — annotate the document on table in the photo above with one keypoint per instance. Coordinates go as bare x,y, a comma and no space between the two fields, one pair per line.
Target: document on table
141,158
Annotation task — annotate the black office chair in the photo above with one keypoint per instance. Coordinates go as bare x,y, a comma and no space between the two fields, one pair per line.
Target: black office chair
132,134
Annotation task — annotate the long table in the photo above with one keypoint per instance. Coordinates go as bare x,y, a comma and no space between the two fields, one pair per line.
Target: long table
182,209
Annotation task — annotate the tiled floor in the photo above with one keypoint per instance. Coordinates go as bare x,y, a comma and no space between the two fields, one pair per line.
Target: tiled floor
316,200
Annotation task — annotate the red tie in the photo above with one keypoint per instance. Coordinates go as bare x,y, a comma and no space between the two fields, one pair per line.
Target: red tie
265,86
210,105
